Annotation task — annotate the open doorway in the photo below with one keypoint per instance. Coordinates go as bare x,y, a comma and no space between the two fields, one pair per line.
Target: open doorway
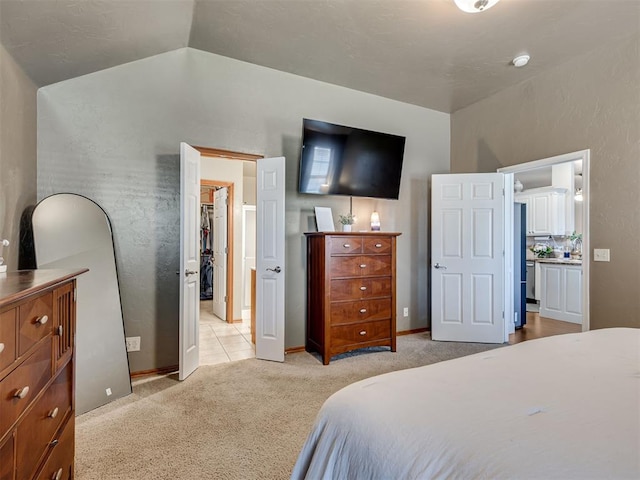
228,191
555,192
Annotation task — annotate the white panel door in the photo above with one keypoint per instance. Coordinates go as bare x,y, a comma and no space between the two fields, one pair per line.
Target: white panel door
467,238
270,267
220,252
189,260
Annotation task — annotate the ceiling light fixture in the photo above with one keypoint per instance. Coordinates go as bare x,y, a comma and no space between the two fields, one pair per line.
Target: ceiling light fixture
475,6
521,60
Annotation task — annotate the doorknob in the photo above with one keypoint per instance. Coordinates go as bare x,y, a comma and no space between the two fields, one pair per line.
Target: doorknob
276,270
190,272
437,265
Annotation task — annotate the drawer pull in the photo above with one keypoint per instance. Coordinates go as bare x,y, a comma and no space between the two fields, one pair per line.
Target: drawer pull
60,330
378,245
53,443
363,332
363,265
53,413
42,320
23,392
347,245
363,288
57,475
1,347
363,310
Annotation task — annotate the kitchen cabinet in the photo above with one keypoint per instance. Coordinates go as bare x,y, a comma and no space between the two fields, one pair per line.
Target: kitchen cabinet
546,210
561,292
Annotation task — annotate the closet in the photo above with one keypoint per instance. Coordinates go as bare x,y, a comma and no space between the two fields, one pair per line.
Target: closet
206,241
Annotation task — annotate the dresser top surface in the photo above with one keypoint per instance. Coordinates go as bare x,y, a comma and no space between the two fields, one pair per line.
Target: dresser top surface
22,283
354,234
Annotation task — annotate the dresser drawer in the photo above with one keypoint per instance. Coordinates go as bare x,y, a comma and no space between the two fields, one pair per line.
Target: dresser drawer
380,245
345,245
7,338
20,387
36,321
359,332
360,310
59,465
359,288
37,430
361,265
7,451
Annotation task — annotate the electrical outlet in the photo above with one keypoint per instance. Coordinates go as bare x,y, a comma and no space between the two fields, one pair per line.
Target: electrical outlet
601,255
406,311
133,344
108,392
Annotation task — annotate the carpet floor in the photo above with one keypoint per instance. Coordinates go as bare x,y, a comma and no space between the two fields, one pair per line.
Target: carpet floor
240,420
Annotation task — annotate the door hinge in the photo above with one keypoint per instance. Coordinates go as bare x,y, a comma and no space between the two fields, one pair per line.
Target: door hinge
75,293
502,313
226,299
503,192
226,249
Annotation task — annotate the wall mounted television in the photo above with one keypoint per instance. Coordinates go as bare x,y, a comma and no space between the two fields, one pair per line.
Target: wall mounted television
340,160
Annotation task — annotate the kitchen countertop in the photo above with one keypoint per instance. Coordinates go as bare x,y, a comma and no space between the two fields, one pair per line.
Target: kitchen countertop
565,261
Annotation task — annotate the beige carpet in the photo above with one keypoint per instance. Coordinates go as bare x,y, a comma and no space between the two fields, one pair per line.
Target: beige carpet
241,420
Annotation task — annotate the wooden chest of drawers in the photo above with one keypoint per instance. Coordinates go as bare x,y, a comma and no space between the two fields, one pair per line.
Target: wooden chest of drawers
351,283
37,332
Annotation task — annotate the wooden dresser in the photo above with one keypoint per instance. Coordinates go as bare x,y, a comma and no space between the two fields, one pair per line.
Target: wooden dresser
351,292
37,387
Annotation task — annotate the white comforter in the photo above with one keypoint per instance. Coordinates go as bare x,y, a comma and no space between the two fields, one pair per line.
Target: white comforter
565,407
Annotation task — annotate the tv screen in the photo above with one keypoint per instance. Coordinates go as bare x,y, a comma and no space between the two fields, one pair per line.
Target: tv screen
339,160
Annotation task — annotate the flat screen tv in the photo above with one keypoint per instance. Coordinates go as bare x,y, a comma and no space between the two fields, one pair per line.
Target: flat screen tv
339,160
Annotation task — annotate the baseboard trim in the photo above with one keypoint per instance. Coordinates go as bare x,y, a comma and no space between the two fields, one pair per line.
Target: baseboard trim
155,371
174,368
294,349
409,332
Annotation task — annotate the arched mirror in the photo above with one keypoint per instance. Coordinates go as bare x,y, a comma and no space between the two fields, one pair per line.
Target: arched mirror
71,231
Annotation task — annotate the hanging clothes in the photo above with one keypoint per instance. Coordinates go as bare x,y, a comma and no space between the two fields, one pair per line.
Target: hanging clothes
205,228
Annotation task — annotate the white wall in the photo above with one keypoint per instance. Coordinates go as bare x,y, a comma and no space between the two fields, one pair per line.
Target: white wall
17,152
114,136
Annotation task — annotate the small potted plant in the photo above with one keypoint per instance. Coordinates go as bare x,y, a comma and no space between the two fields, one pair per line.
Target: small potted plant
576,244
346,221
541,250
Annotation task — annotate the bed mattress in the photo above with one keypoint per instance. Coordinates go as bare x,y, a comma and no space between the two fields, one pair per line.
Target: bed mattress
565,407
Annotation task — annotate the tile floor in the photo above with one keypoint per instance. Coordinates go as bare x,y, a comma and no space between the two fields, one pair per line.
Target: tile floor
220,341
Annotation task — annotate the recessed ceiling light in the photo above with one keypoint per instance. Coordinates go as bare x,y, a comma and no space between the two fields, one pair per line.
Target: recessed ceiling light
521,60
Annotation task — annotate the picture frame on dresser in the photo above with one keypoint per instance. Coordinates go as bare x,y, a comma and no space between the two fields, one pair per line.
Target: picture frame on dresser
324,219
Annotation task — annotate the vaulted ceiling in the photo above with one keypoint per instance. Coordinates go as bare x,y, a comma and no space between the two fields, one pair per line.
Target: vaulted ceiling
423,52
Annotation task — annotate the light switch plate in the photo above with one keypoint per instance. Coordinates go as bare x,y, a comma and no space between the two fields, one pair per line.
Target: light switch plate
132,344
601,255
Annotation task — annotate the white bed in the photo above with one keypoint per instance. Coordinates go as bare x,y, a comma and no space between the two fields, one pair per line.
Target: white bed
565,407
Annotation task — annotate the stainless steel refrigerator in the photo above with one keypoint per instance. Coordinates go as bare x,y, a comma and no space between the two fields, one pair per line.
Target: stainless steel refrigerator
520,264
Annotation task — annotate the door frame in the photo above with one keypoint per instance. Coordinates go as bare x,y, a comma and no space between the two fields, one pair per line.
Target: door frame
509,172
219,154
229,279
